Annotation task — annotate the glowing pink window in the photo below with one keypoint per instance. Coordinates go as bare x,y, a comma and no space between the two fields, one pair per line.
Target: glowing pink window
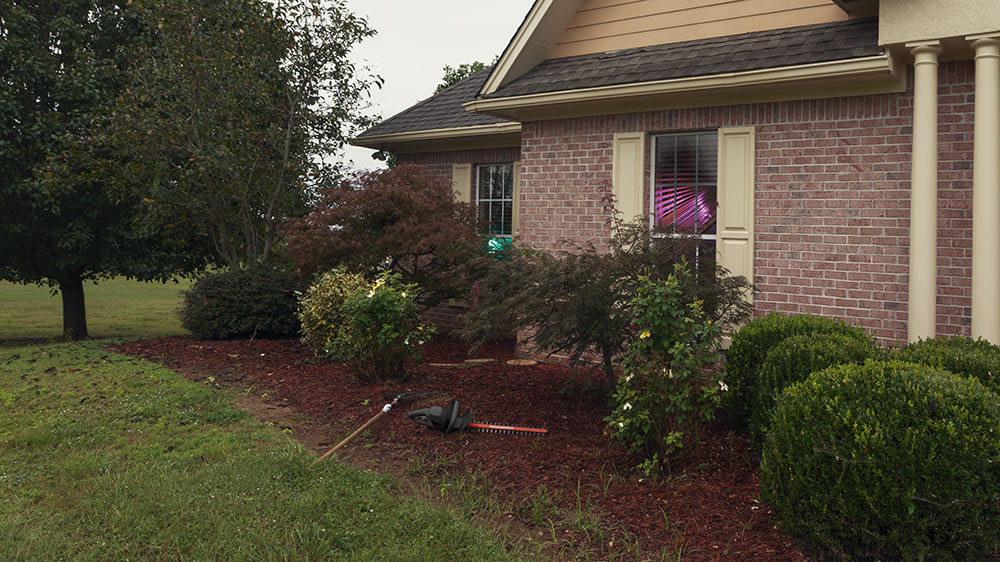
685,179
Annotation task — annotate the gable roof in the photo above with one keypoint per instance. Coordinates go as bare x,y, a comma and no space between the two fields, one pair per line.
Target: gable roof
820,60
532,42
778,48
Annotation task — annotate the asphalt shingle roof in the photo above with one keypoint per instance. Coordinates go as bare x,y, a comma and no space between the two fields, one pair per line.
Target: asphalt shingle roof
441,111
736,53
719,55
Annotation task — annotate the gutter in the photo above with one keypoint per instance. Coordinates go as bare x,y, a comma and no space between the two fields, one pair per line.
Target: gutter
447,134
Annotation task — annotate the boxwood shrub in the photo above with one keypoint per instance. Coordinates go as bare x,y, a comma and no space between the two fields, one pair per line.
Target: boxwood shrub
886,461
259,301
978,359
793,360
751,345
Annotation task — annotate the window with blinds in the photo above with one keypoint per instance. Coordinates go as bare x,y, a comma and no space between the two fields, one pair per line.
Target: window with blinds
495,197
685,183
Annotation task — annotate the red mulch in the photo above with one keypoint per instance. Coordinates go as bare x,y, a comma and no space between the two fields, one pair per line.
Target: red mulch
710,500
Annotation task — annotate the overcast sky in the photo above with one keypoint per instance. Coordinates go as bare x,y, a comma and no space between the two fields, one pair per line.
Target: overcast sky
417,38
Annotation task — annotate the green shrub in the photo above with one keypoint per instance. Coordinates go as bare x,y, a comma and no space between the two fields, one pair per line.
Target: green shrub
792,361
978,359
576,300
260,301
887,461
381,330
751,345
320,308
665,394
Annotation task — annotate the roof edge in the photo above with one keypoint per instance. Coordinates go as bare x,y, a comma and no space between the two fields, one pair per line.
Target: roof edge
452,133
532,42
508,107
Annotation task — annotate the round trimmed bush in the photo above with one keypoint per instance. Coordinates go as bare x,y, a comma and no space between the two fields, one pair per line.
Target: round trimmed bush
260,301
978,359
752,343
887,461
793,360
321,307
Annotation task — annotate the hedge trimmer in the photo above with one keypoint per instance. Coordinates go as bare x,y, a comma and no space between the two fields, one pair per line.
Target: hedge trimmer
448,420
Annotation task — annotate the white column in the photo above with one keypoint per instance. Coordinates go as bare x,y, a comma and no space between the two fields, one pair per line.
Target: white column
986,191
922,315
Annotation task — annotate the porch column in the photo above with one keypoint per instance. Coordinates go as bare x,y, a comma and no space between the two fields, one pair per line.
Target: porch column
986,190
922,315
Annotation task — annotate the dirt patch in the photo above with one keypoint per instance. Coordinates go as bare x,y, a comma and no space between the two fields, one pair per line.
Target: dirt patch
570,487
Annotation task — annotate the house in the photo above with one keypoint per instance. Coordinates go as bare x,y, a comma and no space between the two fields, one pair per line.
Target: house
843,154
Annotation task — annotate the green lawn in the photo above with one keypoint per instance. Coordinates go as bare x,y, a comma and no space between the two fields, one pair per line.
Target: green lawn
115,308
104,457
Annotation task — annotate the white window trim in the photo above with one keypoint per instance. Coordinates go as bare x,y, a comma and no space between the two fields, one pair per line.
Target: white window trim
515,192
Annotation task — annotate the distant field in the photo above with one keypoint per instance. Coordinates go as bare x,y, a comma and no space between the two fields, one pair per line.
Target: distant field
115,308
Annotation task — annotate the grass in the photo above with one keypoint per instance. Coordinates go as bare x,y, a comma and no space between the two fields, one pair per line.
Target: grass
104,457
115,308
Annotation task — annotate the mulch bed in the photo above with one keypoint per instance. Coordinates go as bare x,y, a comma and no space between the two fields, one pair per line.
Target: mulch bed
707,508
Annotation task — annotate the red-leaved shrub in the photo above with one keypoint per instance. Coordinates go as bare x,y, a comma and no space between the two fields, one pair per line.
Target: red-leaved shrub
394,220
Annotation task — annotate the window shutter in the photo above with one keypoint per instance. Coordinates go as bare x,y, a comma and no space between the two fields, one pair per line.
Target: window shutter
628,173
516,220
736,201
461,182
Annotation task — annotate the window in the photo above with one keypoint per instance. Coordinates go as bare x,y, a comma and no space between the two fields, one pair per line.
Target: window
495,197
685,183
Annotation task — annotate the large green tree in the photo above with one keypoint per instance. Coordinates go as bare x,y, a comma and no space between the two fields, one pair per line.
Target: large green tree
62,62
233,110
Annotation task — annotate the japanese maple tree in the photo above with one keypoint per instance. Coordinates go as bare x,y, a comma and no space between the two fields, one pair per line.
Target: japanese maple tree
394,220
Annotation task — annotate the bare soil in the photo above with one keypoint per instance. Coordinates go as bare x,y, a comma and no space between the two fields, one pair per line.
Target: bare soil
570,479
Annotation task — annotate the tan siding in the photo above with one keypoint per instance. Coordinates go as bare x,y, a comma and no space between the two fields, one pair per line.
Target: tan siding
606,25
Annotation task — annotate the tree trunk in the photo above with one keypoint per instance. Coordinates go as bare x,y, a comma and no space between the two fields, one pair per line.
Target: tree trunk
74,311
609,367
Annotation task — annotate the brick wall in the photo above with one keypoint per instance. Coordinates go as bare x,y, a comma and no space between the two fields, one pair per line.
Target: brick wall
831,201
438,164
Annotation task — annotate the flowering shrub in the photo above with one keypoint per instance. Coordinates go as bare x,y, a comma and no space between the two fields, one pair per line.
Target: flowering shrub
381,329
665,394
321,307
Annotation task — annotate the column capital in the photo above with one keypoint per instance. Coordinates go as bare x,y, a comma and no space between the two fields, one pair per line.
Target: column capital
925,52
981,40
916,47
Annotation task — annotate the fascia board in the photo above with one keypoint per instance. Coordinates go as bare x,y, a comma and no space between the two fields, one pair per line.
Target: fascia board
499,134
882,65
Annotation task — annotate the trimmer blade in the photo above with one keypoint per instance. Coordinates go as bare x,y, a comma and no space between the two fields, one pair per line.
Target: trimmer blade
506,429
